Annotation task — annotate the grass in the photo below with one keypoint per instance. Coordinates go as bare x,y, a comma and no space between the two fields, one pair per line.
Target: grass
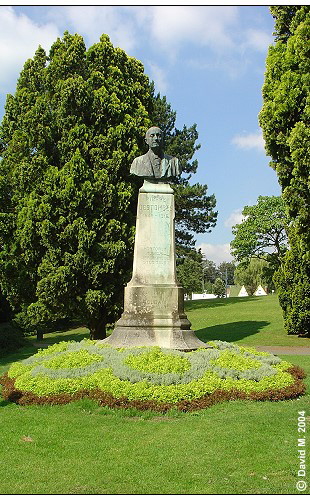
81,448
238,447
248,321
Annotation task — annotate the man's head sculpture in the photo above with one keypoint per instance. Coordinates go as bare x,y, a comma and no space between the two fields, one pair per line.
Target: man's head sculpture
155,164
154,138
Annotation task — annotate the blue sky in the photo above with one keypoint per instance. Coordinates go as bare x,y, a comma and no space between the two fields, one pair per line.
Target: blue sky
209,62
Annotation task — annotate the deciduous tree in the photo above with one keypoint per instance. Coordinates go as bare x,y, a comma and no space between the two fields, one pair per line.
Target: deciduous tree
209,271
226,271
190,274
253,273
262,233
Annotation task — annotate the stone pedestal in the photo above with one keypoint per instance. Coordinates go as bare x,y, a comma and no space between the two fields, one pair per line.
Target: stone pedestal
154,301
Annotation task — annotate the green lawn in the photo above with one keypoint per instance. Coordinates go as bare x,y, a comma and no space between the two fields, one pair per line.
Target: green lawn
231,448
249,321
239,447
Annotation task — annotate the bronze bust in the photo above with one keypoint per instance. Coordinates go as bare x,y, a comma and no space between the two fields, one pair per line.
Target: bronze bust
155,164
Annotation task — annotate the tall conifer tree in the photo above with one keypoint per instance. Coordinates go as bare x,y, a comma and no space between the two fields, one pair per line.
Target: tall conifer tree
67,199
284,119
67,224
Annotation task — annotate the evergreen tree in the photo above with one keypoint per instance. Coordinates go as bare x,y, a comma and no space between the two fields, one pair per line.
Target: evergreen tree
293,288
5,310
67,199
67,224
284,119
219,288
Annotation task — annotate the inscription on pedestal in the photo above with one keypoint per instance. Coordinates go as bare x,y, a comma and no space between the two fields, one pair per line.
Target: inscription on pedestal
154,260
158,206
154,254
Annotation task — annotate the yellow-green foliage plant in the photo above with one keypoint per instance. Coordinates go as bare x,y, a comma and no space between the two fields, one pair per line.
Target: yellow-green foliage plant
151,374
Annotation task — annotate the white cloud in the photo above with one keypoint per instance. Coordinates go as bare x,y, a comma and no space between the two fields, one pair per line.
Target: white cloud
159,76
258,39
91,21
249,141
217,253
163,29
201,25
19,39
234,218
166,27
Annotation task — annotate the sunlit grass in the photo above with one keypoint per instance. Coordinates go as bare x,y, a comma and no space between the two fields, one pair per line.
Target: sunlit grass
252,321
238,447
232,448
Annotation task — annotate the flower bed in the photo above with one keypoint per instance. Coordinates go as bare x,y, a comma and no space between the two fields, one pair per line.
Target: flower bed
150,377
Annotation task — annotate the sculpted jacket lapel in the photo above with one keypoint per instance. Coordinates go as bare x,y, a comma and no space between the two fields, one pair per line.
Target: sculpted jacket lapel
165,165
148,165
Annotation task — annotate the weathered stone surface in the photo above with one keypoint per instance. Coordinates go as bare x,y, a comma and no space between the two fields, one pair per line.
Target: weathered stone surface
153,300
154,261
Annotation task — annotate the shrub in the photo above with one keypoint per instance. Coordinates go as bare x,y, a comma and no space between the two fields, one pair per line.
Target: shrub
219,288
293,285
154,361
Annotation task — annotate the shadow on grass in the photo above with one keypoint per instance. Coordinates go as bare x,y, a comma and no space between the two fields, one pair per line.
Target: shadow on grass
63,337
231,332
32,346
3,403
192,305
22,353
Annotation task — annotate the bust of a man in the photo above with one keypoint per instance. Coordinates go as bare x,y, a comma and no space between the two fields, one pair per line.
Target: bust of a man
155,164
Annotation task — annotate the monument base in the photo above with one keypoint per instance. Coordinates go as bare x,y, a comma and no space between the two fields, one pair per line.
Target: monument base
154,301
182,340
154,316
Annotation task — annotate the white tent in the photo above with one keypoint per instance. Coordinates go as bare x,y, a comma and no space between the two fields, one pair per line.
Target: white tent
243,292
260,291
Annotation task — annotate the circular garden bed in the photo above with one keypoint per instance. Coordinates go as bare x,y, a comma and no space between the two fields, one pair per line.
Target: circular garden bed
150,377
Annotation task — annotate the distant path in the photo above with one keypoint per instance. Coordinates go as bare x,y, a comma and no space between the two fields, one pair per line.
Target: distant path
304,351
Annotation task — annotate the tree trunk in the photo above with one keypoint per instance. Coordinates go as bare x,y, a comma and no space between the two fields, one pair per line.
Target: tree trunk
97,329
39,335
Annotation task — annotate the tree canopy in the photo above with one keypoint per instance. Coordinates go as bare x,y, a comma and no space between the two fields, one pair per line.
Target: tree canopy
219,288
284,119
190,273
67,199
211,271
67,137
253,273
226,272
262,233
